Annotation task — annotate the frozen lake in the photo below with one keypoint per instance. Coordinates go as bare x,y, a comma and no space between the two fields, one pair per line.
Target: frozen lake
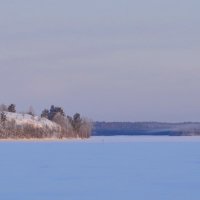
102,168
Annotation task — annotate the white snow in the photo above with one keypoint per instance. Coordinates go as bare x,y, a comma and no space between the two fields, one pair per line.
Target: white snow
21,119
101,168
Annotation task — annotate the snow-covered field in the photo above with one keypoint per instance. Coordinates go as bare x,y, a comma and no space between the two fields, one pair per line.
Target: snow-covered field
101,168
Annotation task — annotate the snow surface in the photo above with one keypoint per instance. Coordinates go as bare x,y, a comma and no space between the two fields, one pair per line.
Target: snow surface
21,119
101,168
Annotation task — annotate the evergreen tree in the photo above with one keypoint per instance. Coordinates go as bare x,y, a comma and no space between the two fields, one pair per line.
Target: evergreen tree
76,122
54,110
45,113
11,108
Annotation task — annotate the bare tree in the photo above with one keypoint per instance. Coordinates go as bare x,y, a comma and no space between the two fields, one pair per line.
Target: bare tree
85,128
67,130
31,111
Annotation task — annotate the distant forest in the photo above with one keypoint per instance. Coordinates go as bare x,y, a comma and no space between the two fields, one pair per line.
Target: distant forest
145,128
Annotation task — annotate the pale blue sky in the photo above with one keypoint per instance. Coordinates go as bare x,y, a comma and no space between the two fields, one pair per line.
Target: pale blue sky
109,60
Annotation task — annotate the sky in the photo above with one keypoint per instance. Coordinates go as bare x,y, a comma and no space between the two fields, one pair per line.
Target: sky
110,60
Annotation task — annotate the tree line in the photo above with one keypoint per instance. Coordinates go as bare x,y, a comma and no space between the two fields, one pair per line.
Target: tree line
69,126
75,126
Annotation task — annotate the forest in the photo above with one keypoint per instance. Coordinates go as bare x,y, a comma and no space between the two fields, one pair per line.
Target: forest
146,128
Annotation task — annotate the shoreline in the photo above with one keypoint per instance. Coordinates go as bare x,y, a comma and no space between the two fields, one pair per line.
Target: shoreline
41,139
110,139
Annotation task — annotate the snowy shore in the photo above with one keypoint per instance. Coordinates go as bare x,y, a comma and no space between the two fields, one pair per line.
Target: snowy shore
111,139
